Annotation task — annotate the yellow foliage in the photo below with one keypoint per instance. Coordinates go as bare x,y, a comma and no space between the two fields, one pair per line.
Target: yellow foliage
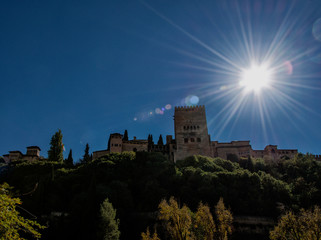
304,226
11,223
178,220
204,226
147,236
225,220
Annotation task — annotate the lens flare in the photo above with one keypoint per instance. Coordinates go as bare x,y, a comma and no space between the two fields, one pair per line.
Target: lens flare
255,78
316,29
267,39
191,100
168,107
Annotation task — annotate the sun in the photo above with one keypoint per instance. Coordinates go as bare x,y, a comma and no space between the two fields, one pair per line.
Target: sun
255,78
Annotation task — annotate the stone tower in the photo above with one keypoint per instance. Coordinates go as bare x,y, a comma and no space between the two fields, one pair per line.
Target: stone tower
191,132
116,142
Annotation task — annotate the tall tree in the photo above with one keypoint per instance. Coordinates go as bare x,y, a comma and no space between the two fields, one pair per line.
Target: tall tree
147,236
160,140
69,161
305,225
125,137
108,144
11,223
183,224
224,221
204,226
177,220
55,152
86,157
109,224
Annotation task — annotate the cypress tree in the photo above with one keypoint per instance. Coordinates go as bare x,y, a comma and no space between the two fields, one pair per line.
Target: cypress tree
109,223
160,140
69,161
86,157
55,152
125,137
108,144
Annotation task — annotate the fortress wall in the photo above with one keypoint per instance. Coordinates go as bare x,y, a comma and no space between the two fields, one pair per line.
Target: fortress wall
128,146
99,154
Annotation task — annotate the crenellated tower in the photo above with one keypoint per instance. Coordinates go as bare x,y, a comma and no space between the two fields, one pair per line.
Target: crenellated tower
191,132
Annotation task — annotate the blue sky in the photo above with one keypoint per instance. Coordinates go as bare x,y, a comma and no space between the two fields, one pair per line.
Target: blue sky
91,68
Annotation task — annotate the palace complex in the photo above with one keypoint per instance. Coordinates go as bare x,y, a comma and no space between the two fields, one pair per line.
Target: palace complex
191,138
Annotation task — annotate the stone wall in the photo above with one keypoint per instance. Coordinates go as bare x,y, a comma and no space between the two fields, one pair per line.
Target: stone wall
136,146
191,132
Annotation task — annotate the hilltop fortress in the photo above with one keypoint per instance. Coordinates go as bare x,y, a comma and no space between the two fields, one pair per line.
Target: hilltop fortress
192,138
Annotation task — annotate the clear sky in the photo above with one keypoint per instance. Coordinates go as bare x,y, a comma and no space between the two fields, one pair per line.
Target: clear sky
91,68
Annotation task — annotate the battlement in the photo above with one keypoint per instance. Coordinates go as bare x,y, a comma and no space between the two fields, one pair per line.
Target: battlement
190,108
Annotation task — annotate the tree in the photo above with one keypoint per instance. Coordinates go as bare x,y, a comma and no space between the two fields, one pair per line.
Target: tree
69,161
108,144
160,140
183,224
306,225
109,224
55,152
147,236
204,226
125,137
86,158
11,223
224,221
177,220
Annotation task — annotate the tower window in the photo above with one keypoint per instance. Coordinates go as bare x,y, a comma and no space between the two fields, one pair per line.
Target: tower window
185,140
198,139
192,140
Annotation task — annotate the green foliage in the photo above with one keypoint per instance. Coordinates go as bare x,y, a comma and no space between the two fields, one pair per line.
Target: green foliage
136,183
69,161
2,160
207,164
86,158
306,225
109,223
302,173
55,153
11,223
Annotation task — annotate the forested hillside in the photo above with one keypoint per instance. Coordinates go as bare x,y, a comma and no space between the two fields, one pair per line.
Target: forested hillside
67,198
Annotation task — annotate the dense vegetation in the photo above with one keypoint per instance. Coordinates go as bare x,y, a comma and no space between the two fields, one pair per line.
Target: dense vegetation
68,198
